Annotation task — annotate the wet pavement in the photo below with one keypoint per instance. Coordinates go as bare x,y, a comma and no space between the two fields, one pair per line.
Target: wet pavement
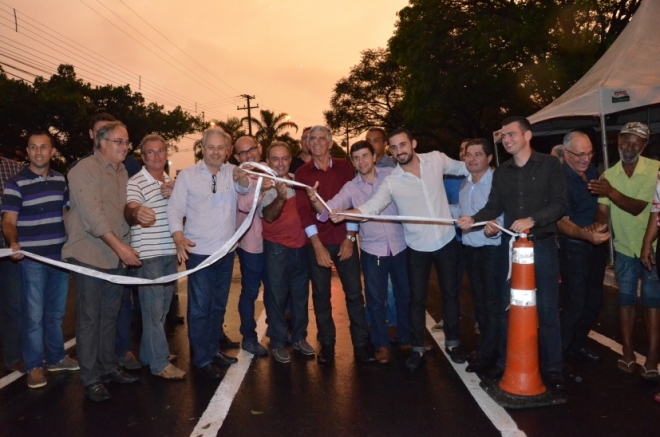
345,398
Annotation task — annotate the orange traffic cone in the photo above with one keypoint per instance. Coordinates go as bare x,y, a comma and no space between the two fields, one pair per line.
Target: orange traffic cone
522,375
521,385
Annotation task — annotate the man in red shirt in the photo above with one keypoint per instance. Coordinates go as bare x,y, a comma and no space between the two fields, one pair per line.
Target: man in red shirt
329,244
286,269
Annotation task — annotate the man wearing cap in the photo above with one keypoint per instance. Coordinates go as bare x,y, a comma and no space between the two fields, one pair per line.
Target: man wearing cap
582,253
626,191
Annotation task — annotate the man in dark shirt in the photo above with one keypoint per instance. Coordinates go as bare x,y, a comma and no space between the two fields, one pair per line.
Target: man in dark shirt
331,243
582,253
303,157
530,190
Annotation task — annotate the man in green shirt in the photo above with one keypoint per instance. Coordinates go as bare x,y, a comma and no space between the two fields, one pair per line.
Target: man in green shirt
626,191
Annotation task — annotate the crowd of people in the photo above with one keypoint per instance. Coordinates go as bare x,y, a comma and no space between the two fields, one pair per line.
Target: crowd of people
113,217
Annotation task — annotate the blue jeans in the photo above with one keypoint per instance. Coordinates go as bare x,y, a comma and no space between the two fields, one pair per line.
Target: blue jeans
391,306
43,301
376,272
287,275
628,271
546,270
10,311
252,272
208,290
155,303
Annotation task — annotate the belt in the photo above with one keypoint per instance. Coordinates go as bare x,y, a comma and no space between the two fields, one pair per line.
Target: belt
539,237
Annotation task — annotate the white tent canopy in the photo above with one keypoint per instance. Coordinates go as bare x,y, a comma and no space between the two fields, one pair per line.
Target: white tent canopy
627,76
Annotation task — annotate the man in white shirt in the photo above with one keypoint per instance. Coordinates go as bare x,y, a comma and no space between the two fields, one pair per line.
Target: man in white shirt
206,194
147,194
416,188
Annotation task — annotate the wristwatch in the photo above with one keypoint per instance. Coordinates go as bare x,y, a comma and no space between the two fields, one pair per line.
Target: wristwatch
351,238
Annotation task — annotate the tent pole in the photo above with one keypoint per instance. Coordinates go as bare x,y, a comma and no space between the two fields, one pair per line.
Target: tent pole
606,165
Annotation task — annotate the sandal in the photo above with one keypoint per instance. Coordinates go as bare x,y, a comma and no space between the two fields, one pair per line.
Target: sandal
626,367
650,375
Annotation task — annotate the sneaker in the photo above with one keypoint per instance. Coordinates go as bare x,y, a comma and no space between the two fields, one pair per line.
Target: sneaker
129,362
254,348
171,372
304,348
281,355
36,378
67,363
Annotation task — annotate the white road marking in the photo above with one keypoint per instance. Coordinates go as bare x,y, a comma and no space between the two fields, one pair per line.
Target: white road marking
13,376
616,347
497,415
211,421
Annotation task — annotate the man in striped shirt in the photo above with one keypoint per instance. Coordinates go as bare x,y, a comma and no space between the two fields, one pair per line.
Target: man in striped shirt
32,219
146,211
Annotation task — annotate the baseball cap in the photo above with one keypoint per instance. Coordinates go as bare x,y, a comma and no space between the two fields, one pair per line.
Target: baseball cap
636,128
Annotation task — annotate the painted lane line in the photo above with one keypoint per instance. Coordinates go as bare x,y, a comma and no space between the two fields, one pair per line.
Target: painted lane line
13,376
216,412
616,347
495,413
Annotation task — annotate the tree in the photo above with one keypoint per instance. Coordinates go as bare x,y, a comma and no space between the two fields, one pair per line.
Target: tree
64,105
368,97
271,127
467,63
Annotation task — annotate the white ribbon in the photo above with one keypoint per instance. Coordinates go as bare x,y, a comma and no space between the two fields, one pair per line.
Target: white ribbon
229,245
128,280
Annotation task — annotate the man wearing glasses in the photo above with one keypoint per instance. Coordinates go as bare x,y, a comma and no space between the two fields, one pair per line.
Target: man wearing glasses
147,195
250,251
582,253
206,195
98,238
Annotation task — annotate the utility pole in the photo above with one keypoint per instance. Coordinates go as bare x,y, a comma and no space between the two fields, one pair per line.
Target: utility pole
15,20
248,107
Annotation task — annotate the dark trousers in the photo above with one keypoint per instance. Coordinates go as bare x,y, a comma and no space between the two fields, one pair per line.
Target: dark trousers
582,267
484,265
97,308
445,261
349,275
10,311
546,271
287,275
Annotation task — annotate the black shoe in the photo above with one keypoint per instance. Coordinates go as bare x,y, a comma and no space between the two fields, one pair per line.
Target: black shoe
555,380
210,371
491,375
227,343
97,392
119,376
414,361
585,353
471,356
221,359
365,353
456,354
477,366
326,354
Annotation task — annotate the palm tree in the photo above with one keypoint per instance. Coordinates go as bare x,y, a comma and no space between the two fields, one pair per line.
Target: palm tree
271,127
233,126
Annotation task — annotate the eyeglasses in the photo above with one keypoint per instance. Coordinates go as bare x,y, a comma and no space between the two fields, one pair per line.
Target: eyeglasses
120,142
214,180
245,152
581,155
159,152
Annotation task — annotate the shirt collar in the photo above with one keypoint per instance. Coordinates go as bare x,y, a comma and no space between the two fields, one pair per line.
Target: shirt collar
150,178
316,167
105,162
486,178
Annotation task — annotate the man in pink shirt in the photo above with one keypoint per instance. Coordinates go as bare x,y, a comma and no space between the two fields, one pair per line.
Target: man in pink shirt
250,251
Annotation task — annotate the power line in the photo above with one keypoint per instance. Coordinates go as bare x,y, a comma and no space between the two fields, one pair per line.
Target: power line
182,51
139,42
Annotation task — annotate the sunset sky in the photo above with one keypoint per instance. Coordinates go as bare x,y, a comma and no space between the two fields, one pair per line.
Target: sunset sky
288,53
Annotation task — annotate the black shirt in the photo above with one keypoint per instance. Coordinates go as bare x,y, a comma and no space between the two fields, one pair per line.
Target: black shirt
536,190
582,206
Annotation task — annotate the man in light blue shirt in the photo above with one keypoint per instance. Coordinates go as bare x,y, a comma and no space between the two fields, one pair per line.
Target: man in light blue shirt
206,194
481,260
